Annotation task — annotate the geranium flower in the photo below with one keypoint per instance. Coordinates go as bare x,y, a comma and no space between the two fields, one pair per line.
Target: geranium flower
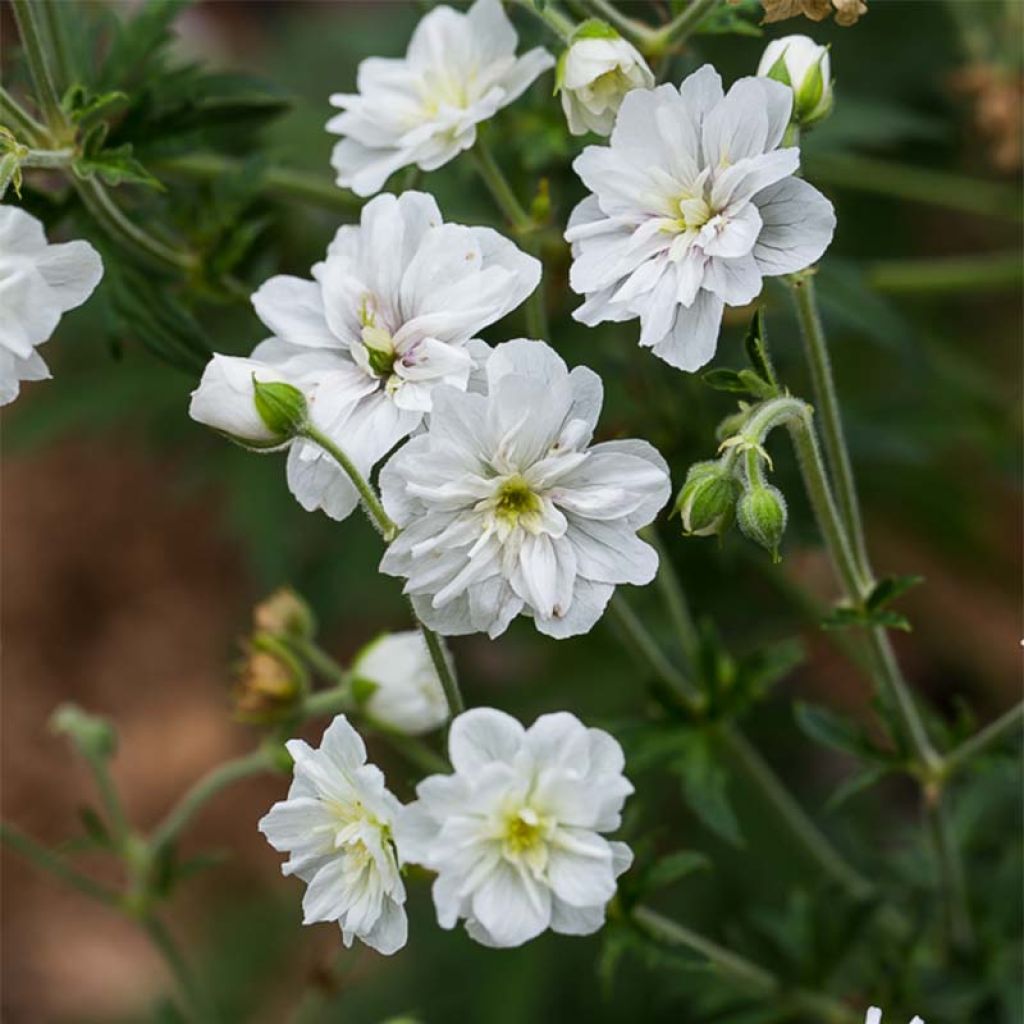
692,206
391,313
506,507
336,825
514,833
423,109
38,283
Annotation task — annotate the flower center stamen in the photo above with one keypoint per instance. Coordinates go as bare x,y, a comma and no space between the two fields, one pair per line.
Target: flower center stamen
515,501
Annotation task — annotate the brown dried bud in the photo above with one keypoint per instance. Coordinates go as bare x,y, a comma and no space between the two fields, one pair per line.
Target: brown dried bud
284,613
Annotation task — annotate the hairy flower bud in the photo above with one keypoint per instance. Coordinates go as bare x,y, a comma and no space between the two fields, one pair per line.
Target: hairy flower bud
284,613
93,735
761,515
803,65
269,685
595,73
707,501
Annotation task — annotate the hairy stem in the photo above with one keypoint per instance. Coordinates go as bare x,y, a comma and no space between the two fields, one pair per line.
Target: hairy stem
374,509
17,119
822,1007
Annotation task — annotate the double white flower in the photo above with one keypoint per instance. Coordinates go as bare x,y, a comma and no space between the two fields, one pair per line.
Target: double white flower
390,314
692,204
514,833
38,283
459,70
406,693
336,824
506,508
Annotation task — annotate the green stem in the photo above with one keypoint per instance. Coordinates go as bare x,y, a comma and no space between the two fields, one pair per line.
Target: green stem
164,943
442,665
280,182
499,187
821,1007
417,753
53,863
973,274
683,25
58,45
1006,724
115,814
123,231
375,510
560,24
321,661
951,876
914,184
60,158
33,39
328,702
827,404
15,117
631,28
204,790
675,598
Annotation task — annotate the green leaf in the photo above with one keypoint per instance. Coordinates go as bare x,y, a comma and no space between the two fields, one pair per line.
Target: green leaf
890,588
856,783
724,380
705,787
95,828
756,346
671,868
845,617
832,730
86,108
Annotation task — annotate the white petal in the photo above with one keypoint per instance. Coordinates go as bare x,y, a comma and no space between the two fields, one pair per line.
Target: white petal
694,335
798,226
512,907
480,736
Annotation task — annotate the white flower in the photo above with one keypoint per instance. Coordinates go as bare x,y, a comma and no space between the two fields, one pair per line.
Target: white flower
391,312
874,1016
407,695
803,65
459,70
594,75
692,206
38,282
506,509
336,824
513,834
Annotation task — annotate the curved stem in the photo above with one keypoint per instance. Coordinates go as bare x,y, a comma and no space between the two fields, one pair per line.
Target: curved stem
1006,724
439,656
204,790
33,39
681,26
827,404
821,1007
560,24
634,30
388,529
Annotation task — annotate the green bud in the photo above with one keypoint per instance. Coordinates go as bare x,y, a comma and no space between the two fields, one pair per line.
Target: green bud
761,515
93,735
707,500
282,407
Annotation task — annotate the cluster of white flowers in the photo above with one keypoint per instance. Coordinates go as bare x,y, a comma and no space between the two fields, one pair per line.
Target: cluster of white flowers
514,834
38,283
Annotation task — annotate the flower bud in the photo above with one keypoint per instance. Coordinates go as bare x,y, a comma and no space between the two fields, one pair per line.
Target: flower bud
284,614
398,684
270,683
595,73
93,735
249,402
761,515
803,65
707,500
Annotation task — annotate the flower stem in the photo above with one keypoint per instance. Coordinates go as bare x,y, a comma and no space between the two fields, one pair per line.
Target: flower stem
824,1008
560,23
163,941
14,116
26,14
49,861
1006,724
674,598
827,403
204,790
438,655
631,28
48,158
680,27
375,510
951,875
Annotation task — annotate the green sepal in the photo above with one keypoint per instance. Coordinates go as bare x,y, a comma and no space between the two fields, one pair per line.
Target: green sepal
281,406
778,72
594,28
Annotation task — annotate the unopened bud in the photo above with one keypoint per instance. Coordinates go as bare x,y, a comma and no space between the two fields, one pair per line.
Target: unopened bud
761,515
92,735
281,406
285,614
707,500
803,65
270,683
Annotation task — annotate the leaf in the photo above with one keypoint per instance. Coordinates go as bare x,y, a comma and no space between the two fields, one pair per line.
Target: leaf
139,39
832,730
856,783
95,828
115,167
890,588
671,868
756,346
724,380
704,788
86,108
845,617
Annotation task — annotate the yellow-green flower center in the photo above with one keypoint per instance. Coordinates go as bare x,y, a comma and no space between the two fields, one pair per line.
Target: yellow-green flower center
515,500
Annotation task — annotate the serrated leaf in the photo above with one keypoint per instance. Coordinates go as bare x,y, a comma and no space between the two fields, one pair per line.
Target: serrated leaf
889,588
115,167
705,785
671,868
845,617
85,108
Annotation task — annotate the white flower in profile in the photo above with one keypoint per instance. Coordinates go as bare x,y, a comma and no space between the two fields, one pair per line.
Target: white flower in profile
515,833
692,206
38,283
336,824
407,695
874,1016
595,73
390,313
423,109
507,508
